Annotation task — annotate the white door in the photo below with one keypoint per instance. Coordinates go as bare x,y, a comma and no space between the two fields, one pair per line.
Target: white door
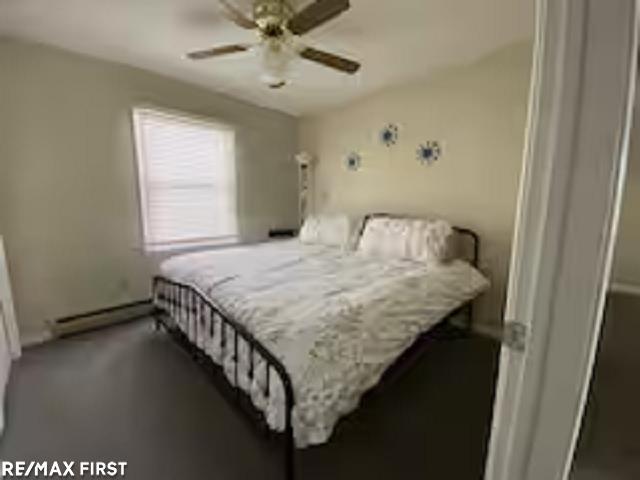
9,341
575,160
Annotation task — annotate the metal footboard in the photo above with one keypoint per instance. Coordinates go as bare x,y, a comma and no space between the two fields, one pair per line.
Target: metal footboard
173,299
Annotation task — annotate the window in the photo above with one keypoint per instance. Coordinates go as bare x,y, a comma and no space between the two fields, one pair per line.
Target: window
186,173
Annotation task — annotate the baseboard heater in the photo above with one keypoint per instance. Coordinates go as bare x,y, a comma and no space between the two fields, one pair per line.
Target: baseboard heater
104,317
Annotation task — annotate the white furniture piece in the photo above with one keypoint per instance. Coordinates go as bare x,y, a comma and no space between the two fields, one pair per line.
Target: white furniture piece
9,338
305,182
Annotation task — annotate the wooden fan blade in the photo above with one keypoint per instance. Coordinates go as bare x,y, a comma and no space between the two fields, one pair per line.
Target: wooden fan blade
217,51
236,16
319,12
330,60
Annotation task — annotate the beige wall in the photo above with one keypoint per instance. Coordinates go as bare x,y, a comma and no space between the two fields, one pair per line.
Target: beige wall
68,207
626,269
477,113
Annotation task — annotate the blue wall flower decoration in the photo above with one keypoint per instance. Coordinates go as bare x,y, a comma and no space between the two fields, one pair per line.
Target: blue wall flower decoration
389,135
429,152
353,161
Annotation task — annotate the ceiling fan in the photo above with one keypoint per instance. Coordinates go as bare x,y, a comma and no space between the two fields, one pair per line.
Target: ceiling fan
279,28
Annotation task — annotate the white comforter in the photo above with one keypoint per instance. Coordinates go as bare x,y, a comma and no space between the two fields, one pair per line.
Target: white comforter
335,319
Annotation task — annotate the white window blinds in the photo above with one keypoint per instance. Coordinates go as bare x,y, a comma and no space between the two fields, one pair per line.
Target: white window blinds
186,172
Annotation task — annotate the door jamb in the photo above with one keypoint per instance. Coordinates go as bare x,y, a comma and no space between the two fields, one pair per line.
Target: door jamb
583,83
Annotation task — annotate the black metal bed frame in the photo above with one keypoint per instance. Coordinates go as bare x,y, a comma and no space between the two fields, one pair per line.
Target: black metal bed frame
172,300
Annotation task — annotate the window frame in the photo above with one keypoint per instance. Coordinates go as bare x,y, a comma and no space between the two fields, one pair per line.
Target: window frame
141,179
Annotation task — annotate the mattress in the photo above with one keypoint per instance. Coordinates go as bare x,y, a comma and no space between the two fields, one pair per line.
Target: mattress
335,319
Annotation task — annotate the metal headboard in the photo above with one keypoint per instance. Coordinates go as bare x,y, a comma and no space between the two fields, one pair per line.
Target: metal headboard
473,239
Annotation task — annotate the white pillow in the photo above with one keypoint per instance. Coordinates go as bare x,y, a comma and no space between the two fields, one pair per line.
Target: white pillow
422,240
334,230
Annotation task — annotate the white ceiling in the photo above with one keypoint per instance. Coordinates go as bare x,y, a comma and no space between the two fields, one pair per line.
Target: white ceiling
397,41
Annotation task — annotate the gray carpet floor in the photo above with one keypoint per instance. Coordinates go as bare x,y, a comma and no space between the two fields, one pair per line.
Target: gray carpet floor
609,445
128,393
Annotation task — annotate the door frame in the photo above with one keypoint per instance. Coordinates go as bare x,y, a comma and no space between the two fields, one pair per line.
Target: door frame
581,101
9,323
9,337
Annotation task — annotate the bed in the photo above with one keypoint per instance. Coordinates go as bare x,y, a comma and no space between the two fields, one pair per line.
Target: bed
303,331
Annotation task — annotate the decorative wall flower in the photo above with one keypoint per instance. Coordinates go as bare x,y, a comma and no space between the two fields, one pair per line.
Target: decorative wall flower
353,161
428,152
389,135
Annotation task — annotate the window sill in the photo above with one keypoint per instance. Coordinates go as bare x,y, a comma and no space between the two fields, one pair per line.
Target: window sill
189,246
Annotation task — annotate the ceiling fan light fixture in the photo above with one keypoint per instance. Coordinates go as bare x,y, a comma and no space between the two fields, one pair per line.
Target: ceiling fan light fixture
273,81
275,56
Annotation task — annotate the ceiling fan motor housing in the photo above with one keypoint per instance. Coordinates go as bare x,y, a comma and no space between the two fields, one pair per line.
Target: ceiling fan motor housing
272,15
